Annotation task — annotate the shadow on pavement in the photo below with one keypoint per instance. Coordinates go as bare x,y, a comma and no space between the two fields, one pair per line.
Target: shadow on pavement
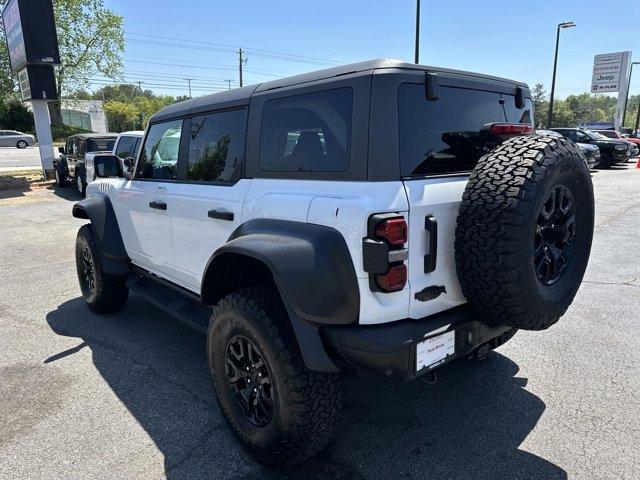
469,425
69,192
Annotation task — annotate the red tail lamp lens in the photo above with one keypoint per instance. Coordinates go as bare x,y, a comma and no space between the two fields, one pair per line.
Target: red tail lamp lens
394,280
506,129
393,231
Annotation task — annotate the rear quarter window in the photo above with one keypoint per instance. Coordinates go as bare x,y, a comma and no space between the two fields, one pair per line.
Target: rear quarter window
309,132
443,136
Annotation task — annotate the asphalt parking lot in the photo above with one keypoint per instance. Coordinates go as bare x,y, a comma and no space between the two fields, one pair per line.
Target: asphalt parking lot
128,395
12,158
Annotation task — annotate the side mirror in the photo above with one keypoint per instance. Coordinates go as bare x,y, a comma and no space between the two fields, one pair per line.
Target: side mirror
107,166
130,164
61,150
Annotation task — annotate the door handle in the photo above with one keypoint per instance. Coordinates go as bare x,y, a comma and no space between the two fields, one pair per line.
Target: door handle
158,205
228,216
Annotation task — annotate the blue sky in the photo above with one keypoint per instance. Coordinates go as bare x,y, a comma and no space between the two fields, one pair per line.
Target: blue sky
506,38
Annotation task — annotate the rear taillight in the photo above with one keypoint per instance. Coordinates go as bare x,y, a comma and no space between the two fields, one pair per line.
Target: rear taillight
509,129
393,231
394,280
384,252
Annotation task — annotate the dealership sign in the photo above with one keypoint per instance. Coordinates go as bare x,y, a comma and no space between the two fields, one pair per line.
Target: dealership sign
15,39
609,72
30,32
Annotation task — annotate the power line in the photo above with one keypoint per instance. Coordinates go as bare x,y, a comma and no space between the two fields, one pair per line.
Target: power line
227,47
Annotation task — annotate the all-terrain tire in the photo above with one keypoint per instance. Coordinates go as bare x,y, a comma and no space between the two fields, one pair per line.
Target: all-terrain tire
305,403
61,181
500,243
102,292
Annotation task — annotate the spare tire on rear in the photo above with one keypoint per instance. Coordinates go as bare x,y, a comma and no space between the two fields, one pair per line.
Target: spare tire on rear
524,231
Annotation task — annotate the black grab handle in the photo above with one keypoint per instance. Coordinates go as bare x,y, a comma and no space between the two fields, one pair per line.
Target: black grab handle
158,205
431,226
228,216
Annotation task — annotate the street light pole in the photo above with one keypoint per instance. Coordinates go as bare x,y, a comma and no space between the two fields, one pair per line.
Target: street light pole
189,82
417,52
555,65
626,99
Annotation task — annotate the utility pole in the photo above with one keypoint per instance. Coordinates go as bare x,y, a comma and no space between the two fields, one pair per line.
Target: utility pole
626,99
229,82
241,62
189,82
555,64
417,53
140,86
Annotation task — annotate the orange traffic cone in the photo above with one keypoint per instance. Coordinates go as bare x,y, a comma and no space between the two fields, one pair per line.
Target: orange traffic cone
638,164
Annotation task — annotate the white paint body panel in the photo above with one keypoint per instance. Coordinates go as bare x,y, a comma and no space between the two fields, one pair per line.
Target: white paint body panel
177,243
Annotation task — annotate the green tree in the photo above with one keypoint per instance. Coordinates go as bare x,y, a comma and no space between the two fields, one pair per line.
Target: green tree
122,116
540,104
15,116
91,40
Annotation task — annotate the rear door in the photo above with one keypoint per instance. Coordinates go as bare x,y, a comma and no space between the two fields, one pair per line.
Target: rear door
206,203
439,145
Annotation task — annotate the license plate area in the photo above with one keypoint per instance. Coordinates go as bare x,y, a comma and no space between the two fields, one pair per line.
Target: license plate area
436,350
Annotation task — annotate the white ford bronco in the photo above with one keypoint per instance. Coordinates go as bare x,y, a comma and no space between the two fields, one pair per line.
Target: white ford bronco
383,216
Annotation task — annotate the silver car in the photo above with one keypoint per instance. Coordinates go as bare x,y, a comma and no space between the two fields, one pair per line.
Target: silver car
11,138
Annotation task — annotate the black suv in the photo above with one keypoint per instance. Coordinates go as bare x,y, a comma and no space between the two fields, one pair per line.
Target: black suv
612,151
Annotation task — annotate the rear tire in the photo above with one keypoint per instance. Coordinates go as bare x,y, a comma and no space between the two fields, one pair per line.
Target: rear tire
103,293
524,231
295,408
22,144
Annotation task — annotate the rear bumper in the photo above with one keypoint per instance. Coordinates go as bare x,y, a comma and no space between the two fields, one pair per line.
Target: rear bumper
389,349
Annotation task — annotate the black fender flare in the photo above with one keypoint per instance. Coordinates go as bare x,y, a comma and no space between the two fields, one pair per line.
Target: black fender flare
312,269
104,224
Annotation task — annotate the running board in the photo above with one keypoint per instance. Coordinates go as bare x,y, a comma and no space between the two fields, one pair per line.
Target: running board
168,299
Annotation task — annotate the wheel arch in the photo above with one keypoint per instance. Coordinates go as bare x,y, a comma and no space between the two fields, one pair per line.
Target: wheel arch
310,266
99,211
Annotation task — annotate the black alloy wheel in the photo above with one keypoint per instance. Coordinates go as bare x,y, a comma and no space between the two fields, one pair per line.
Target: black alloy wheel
248,377
554,235
88,277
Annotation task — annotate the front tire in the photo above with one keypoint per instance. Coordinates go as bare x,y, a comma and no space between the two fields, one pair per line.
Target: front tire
60,178
102,292
22,144
81,185
281,412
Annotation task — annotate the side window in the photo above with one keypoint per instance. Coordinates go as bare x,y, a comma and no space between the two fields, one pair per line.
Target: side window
571,134
69,148
307,133
444,136
125,147
216,146
159,156
79,148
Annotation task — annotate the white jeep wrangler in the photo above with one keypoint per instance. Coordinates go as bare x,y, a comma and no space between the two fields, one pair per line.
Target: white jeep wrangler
382,215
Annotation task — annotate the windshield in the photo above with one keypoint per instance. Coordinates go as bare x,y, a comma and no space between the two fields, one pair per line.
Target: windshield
594,135
607,133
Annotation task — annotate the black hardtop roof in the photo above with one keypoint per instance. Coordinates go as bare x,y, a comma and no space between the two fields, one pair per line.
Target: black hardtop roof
236,96
86,136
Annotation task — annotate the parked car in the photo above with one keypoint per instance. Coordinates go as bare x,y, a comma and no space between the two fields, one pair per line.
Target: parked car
617,136
76,158
611,151
340,219
633,150
128,144
11,138
591,152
